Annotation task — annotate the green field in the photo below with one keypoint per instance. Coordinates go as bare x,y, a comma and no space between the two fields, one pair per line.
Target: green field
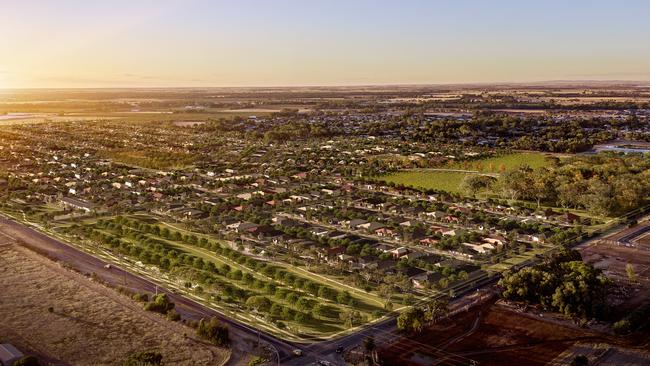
427,179
450,181
503,163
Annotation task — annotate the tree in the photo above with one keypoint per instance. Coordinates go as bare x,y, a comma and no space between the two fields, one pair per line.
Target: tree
411,320
350,318
213,331
159,304
369,344
27,361
631,274
569,286
147,358
259,303
303,304
580,360
435,310
475,183
319,311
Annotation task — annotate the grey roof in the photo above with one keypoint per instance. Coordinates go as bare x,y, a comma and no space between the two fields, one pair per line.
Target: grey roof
78,203
9,354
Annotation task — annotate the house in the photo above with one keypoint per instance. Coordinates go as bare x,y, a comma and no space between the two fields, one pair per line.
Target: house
372,226
384,248
353,224
192,214
77,204
496,240
450,232
399,252
414,273
386,265
245,196
429,241
336,234
430,278
385,232
333,253
367,261
285,221
451,219
9,354
212,201
265,232
319,231
241,227
570,218
437,229
413,254
405,222
480,248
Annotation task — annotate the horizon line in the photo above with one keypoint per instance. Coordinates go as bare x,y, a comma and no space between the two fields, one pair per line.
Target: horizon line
286,86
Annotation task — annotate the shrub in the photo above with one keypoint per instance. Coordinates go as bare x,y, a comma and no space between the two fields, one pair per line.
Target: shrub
214,331
159,304
27,361
173,315
141,297
147,358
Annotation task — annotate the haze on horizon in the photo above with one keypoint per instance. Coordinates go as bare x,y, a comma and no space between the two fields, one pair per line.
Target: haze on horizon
147,43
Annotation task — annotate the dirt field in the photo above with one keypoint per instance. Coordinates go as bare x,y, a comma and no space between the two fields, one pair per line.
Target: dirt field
90,324
491,335
613,259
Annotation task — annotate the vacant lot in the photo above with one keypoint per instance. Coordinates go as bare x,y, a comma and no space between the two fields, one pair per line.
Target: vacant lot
614,260
89,324
491,335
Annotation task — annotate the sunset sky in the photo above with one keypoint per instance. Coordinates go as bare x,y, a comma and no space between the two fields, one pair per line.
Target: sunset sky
118,43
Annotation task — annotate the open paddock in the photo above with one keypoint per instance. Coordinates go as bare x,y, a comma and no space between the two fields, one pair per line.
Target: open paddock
66,318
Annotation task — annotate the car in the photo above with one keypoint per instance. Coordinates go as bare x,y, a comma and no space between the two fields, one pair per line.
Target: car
324,363
108,266
297,352
339,349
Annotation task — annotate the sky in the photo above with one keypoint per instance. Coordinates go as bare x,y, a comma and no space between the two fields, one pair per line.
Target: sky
200,43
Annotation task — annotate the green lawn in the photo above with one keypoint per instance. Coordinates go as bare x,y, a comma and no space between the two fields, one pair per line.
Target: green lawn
450,180
438,180
509,162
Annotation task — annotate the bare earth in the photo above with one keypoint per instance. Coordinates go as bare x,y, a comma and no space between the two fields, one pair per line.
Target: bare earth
90,324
